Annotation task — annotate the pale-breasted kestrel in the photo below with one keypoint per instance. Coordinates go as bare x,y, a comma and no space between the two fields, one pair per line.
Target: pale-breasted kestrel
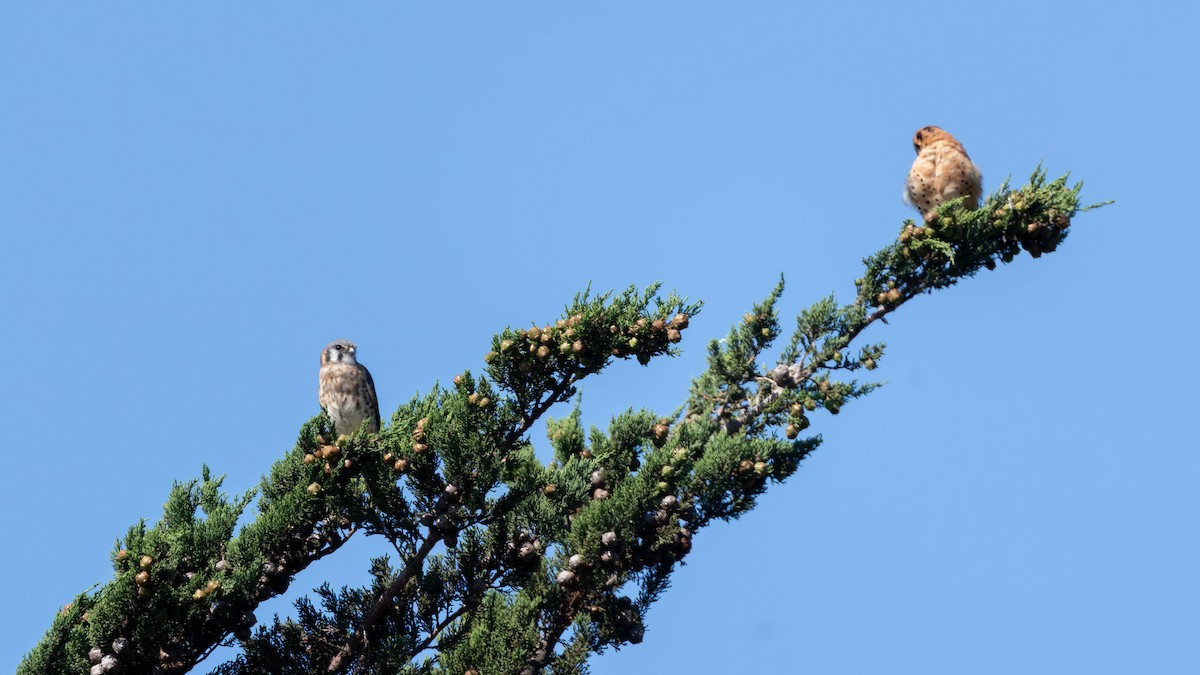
942,171
346,390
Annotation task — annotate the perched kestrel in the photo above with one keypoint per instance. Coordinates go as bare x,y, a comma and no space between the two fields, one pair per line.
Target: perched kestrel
346,390
942,171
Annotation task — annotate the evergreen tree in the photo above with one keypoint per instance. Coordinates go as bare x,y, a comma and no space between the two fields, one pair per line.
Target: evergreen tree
504,564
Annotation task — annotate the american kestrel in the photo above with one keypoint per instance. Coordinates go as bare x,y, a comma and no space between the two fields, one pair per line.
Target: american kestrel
942,171
346,390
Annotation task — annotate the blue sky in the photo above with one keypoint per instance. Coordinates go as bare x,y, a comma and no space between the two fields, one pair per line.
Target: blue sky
194,200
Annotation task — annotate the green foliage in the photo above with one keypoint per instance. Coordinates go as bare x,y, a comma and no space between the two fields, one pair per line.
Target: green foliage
505,564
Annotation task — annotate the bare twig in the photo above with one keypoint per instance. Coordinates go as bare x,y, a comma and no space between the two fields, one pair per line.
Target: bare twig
544,654
539,409
433,634
379,610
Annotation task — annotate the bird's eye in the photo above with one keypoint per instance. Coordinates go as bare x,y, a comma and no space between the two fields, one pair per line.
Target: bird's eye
338,347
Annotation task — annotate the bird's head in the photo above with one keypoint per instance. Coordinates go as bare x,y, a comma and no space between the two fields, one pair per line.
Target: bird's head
927,135
339,351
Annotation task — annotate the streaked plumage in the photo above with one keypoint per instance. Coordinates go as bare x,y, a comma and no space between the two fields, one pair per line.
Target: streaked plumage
345,389
942,171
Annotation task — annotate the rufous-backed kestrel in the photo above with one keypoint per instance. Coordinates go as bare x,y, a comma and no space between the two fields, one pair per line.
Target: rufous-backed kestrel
346,390
942,171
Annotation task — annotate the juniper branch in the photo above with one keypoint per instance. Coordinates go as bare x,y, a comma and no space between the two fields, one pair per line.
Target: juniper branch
543,547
